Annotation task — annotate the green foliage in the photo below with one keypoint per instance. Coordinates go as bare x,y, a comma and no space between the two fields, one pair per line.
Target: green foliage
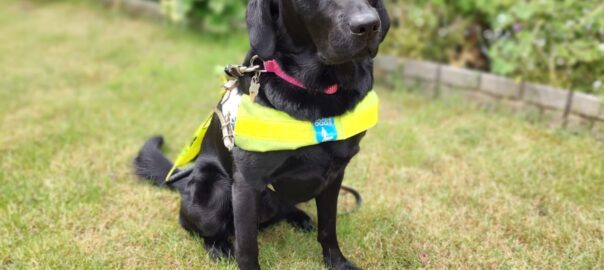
559,42
430,29
212,15
555,42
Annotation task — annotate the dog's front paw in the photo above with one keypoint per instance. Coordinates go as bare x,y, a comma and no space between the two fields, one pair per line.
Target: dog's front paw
341,265
301,221
334,260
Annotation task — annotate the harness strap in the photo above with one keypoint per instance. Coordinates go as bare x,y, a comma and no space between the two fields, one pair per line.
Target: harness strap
227,133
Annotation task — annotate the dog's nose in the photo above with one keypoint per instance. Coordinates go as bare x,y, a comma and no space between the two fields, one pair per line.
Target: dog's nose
365,23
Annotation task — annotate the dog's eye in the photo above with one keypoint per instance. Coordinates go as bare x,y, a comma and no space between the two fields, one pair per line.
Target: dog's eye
373,2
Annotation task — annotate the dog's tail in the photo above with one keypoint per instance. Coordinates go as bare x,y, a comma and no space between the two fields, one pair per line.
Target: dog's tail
151,163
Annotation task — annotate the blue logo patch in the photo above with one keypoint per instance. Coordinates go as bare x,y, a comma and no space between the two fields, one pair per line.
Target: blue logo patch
325,130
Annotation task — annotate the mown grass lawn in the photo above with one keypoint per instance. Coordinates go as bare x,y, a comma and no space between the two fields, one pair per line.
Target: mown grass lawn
445,185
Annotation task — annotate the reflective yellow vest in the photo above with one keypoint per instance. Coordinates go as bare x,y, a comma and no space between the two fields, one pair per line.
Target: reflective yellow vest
261,129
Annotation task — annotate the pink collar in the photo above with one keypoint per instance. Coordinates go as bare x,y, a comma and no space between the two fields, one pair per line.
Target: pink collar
272,66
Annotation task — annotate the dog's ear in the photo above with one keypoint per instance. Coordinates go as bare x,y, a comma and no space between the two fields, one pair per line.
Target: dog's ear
260,26
384,17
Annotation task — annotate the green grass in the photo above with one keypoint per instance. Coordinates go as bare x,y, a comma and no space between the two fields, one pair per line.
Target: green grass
446,185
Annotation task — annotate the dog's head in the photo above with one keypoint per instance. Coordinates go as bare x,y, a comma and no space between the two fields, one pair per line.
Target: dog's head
337,31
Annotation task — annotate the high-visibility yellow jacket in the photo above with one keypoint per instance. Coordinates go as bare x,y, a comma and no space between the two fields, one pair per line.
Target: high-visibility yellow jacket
258,128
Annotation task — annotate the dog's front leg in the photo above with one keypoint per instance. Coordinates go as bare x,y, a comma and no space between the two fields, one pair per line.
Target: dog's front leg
327,208
245,210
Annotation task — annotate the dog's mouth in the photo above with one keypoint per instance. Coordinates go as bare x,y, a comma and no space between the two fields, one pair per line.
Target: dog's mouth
343,59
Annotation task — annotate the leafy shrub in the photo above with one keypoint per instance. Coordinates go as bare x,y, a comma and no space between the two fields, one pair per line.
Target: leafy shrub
212,15
561,42
555,42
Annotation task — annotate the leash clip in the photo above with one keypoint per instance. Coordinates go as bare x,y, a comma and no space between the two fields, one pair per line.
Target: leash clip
255,86
237,71
253,60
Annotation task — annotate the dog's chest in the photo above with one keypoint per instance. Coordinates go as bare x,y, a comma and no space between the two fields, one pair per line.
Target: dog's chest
302,174
301,180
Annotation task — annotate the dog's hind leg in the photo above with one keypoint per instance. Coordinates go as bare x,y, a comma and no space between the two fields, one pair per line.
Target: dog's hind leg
300,220
294,217
206,207
218,247
274,210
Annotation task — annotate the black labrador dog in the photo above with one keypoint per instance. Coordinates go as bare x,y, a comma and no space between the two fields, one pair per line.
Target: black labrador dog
320,43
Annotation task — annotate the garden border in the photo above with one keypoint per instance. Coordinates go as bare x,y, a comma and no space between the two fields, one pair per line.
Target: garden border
139,8
562,108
